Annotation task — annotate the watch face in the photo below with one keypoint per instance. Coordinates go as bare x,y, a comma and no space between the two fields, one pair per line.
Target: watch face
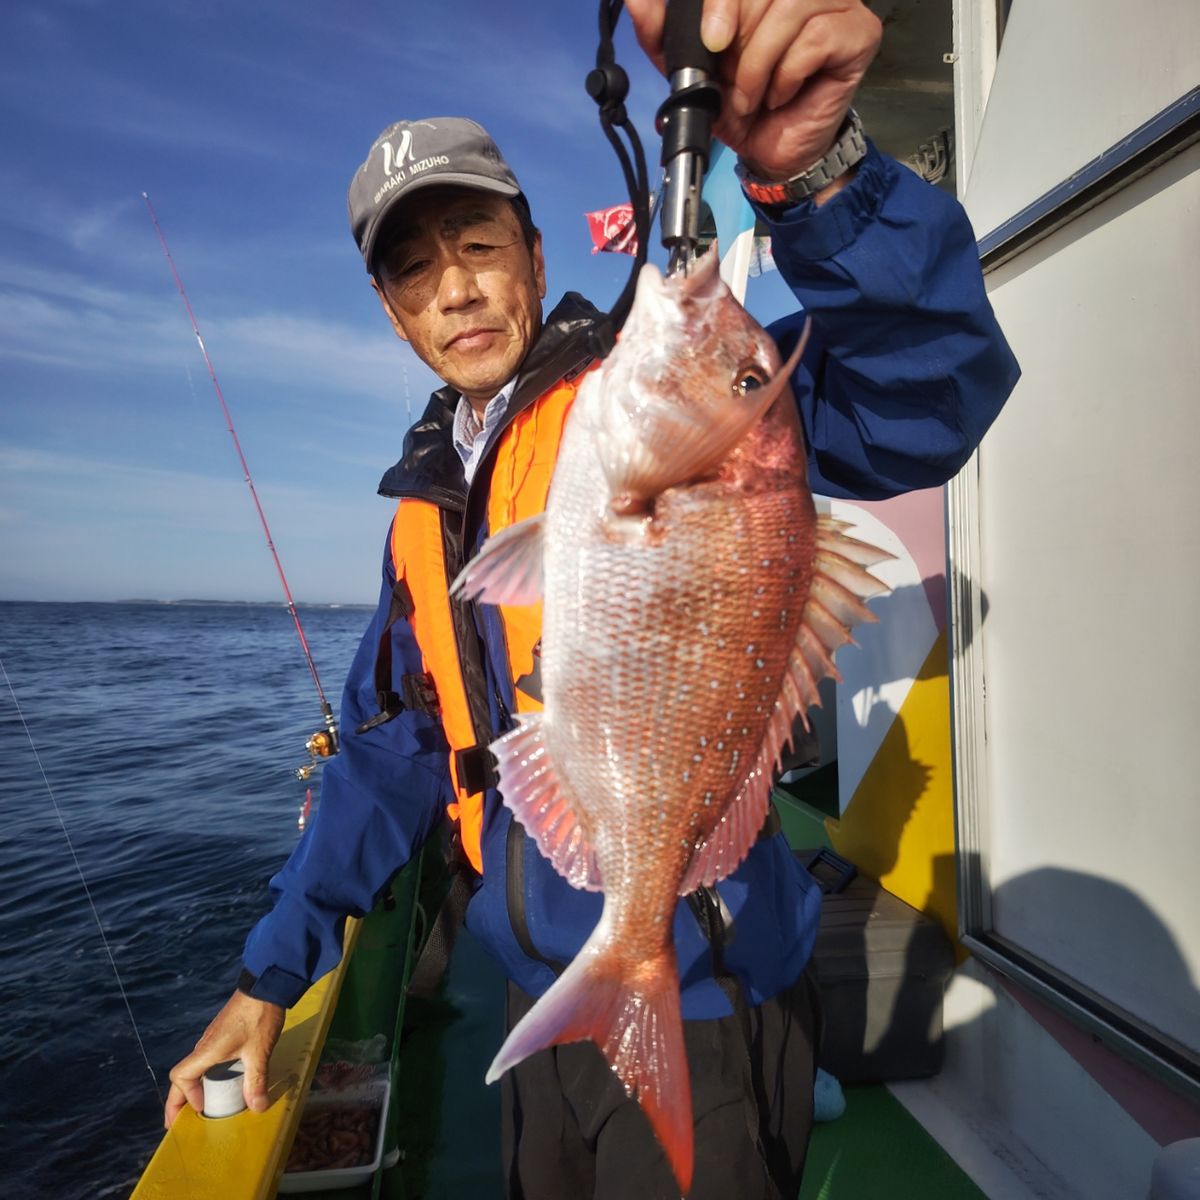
767,193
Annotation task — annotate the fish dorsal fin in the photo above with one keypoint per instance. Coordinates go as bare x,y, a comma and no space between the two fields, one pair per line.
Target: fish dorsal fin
508,568
530,786
835,605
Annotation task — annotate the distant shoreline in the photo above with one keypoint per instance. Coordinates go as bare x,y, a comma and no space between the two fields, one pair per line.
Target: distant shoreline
188,602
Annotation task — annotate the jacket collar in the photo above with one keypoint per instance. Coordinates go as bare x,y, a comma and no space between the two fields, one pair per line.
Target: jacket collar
429,467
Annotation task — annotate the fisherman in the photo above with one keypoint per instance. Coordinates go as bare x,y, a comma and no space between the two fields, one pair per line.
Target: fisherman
904,372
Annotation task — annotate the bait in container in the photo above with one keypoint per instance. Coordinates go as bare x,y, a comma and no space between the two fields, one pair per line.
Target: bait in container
339,1143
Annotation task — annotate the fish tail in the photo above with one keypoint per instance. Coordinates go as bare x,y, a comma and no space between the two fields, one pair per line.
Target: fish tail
639,1028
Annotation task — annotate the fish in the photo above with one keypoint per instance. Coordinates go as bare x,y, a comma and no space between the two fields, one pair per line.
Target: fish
692,602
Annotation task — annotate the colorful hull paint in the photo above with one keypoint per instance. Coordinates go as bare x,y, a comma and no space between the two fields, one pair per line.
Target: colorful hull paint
893,715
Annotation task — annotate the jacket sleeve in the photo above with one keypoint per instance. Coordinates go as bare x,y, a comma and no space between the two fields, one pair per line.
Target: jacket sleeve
906,366
380,798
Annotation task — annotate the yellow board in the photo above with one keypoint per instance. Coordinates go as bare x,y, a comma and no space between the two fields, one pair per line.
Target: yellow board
242,1157
899,825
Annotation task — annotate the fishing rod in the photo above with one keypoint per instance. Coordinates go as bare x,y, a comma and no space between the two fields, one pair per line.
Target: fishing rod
325,742
684,120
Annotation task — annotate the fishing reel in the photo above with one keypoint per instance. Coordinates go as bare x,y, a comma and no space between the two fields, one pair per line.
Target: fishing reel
322,744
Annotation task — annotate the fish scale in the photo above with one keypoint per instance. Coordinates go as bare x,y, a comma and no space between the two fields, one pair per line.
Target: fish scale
692,601
687,680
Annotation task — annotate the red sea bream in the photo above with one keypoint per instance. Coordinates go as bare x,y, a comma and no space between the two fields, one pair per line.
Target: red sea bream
693,600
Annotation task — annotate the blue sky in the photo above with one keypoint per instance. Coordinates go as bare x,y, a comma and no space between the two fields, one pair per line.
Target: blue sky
244,123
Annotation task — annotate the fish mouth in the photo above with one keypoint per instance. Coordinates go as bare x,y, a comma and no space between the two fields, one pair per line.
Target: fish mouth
701,274
702,282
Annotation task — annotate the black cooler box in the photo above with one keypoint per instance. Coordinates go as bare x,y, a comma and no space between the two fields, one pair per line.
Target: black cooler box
882,968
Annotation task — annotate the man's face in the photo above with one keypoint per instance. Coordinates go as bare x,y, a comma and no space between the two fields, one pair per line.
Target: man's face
461,286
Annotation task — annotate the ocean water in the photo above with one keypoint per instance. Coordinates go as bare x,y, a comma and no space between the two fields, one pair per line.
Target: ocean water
169,734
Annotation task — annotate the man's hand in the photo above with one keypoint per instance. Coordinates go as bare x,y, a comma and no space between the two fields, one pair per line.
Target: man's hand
245,1028
788,69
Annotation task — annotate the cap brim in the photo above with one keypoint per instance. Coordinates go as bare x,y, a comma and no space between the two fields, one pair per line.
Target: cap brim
478,183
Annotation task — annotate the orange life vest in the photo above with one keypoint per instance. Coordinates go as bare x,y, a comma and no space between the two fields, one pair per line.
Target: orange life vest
520,479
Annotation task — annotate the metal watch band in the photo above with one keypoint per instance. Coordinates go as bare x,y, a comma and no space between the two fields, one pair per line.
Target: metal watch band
849,148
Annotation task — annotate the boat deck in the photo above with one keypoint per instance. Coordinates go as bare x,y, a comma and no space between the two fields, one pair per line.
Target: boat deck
445,1122
449,1120
877,1151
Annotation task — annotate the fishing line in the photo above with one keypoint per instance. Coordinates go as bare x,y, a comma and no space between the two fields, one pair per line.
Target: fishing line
86,890
407,393
326,710
191,384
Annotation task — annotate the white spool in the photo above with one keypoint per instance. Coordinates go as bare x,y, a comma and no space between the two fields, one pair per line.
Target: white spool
223,1089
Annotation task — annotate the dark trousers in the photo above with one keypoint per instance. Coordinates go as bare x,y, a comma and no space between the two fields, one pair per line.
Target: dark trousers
569,1132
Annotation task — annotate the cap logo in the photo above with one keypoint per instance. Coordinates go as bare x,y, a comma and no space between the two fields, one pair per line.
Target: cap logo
395,158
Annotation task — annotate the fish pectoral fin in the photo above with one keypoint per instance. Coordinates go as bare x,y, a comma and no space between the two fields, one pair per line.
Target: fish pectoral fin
674,446
508,568
638,1029
531,788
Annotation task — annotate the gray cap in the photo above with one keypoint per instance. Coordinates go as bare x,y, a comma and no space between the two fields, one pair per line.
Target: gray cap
418,154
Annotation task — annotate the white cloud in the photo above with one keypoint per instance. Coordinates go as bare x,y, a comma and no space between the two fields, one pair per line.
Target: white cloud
68,321
39,482
283,347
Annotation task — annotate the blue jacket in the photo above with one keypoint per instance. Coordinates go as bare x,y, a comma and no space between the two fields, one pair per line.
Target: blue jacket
905,370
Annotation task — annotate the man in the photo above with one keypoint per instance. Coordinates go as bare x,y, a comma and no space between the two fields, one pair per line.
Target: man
904,372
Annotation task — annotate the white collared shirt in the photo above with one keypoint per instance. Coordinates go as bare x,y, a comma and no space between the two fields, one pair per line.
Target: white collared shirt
470,437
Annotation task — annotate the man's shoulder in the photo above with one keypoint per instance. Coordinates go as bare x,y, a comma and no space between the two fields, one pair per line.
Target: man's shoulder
573,321
575,333
571,310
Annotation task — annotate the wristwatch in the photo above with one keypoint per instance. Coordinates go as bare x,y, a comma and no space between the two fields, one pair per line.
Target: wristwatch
848,149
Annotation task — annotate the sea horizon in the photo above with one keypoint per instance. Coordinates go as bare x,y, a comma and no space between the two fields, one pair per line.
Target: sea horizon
150,600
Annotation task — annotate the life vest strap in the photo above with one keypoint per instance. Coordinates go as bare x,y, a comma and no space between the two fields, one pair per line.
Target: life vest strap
417,693
434,957
515,896
389,708
420,694
476,769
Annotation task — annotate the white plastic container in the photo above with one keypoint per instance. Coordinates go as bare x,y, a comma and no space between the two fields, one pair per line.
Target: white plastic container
374,1096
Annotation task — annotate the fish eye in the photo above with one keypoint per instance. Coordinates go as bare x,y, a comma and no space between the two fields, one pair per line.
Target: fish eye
748,379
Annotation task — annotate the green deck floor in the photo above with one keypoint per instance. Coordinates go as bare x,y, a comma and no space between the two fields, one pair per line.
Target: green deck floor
877,1151
450,1120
